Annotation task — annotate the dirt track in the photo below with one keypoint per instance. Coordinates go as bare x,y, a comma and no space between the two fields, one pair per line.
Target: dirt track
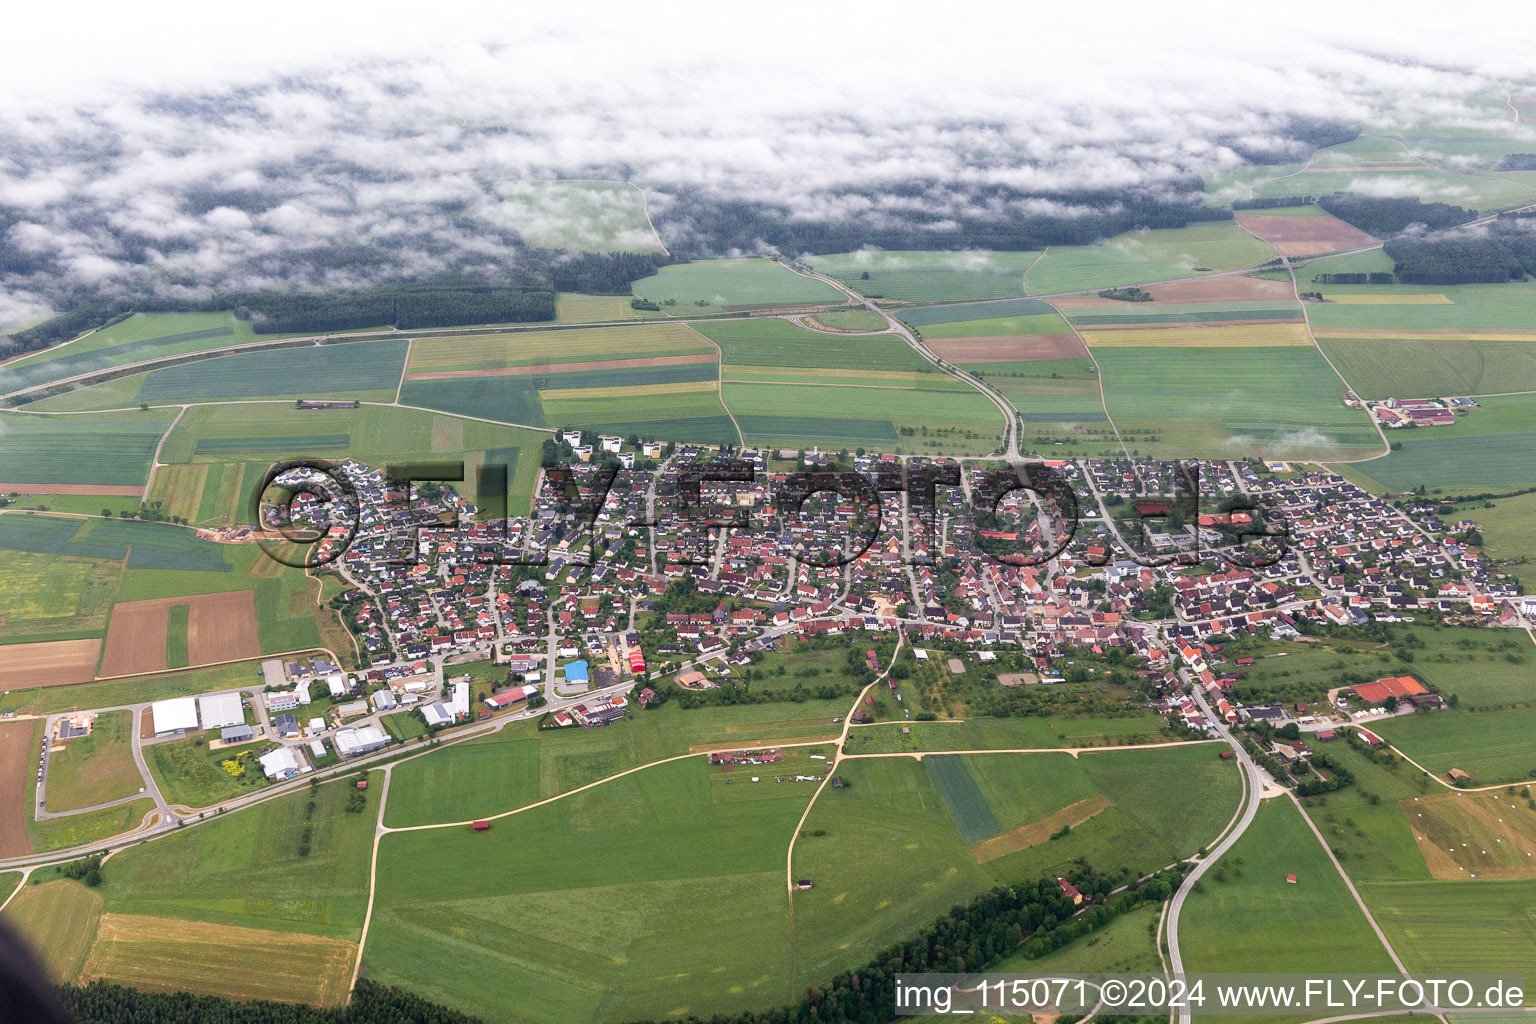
1009,349
545,369
53,663
15,762
114,491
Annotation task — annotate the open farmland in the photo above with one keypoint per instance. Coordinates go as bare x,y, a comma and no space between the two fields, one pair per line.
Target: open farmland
104,451
1245,916
15,766
1492,746
928,276
898,419
136,638
1303,231
713,286
96,768
48,595
140,337
587,216
599,882
167,955
1381,367
58,919
247,870
1472,461
548,349
1227,336
1457,926
1137,257
49,662
893,830
764,343
1274,401
1474,835
46,700
369,369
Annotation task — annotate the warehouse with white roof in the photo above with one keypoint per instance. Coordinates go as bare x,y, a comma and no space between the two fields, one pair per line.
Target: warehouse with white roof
219,710
177,715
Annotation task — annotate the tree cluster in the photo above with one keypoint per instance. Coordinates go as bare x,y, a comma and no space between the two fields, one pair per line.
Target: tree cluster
103,1003
1384,216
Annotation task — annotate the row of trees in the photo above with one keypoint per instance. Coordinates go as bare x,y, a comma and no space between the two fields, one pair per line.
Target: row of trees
104,1003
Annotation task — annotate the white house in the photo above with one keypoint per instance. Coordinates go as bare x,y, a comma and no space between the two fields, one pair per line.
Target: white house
280,764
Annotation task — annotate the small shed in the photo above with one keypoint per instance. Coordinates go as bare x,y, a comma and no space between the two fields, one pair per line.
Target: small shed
1227,755
482,825
1291,879
362,783
803,884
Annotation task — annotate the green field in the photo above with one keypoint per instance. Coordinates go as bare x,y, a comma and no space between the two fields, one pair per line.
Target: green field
599,879
188,773
58,919
94,769
928,276
521,763
1007,309
111,450
760,343
713,286
140,337
587,216
1380,368
1275,402
54,596
937,422
219,454
1457,926
547,347
176,637
246,869
852,320
1138,257
1364,824
1252,920
1492,746
894,856
1508,527
1019,733
575,308
1470,461
368,369
49,699
88,827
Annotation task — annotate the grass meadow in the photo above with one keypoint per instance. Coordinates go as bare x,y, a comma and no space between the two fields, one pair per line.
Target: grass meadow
1492,746
714,286
94,769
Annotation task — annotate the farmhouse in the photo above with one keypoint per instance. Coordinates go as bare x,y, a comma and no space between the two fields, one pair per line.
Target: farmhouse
506,698
221,709
174,716
1070,891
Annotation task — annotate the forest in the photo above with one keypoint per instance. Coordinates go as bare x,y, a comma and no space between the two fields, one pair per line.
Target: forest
987,217
1503,252
1384,216
103,1003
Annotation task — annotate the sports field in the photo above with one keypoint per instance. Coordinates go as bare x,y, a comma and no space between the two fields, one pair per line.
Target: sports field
928,276
94,769
113,449
587,216
713,286
1246,917
1492,746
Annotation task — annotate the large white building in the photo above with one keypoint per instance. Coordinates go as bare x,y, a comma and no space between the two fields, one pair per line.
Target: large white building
179,714
355,742
281,763
219,710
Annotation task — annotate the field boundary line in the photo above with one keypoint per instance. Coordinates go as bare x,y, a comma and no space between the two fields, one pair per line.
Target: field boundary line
1348,884
373,877
720,381
1075,752
154,460
405,367
1098,373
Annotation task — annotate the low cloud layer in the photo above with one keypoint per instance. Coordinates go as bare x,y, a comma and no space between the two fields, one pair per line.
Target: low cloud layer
402,158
